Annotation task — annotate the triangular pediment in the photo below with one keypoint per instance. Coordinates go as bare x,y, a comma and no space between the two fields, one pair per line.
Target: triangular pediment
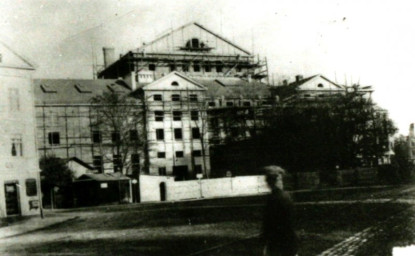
10,59
320,83
174,81
193,38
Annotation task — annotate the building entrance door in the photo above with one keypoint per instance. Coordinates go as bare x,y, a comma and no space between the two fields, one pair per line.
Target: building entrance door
180,172
12,199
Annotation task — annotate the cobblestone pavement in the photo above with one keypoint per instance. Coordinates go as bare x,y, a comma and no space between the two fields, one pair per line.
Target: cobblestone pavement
397,230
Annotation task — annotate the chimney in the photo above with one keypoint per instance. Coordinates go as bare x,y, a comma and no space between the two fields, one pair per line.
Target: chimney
298,78
285,82
109,56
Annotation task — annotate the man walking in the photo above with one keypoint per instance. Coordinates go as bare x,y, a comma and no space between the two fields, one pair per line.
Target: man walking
278,227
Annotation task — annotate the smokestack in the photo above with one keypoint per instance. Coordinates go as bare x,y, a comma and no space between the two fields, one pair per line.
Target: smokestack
109,56
298,78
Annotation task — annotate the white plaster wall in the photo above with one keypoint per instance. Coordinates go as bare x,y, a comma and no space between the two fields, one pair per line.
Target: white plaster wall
205,188
22,122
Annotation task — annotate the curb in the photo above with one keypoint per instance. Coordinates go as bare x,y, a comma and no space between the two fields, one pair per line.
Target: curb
41,228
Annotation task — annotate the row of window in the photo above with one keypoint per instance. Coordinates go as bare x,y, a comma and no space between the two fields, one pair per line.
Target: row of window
229,104
175,97
177,115
197,67
179,154
178,133
54,137
98,162
162,170
193,98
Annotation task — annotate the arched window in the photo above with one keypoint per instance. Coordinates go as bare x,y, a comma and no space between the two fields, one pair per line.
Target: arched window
320,86
175,83
195,43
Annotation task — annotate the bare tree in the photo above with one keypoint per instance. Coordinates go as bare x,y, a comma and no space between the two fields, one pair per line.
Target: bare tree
118,118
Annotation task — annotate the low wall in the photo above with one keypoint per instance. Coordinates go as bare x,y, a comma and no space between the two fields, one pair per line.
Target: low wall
307,180
358,176
150,187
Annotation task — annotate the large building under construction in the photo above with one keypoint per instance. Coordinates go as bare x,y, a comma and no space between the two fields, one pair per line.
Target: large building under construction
185,82
191,49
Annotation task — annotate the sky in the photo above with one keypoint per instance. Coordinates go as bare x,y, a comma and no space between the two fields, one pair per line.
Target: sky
350,41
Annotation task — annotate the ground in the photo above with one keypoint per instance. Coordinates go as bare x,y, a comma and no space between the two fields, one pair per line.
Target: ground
325,220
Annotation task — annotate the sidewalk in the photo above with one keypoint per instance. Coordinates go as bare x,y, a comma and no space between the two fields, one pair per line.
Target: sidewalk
35,223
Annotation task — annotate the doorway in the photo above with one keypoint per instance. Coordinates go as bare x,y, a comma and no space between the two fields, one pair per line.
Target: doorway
162,191
12,199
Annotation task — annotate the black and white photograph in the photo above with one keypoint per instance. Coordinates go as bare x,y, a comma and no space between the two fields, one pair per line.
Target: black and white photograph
207,127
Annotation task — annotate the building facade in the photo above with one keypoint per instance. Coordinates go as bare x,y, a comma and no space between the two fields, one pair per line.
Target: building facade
66,122
186,83
19,166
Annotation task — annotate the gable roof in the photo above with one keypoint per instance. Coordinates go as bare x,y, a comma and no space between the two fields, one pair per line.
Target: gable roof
233,87
11,59
174,73
74,91
103,177
200,27
305,80
80,162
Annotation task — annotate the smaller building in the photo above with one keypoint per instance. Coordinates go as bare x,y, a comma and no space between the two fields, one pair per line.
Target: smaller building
19,166
310,88
102,188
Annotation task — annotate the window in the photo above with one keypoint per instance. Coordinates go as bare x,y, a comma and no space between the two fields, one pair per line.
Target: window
115,137
14,100
219,67
208,68
229,103
196,67
161,154
178,134
177,115
135,163
193,97
152,67
197,153
162,171
175,83
116,160
179,154
238,68
185,68
159,134
54,138
195,133
96,137
195,43
157,97
320,86
172,67
31,187
212,104
175,97
133,135
17,146
97,162
159,116
246,103
194,115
